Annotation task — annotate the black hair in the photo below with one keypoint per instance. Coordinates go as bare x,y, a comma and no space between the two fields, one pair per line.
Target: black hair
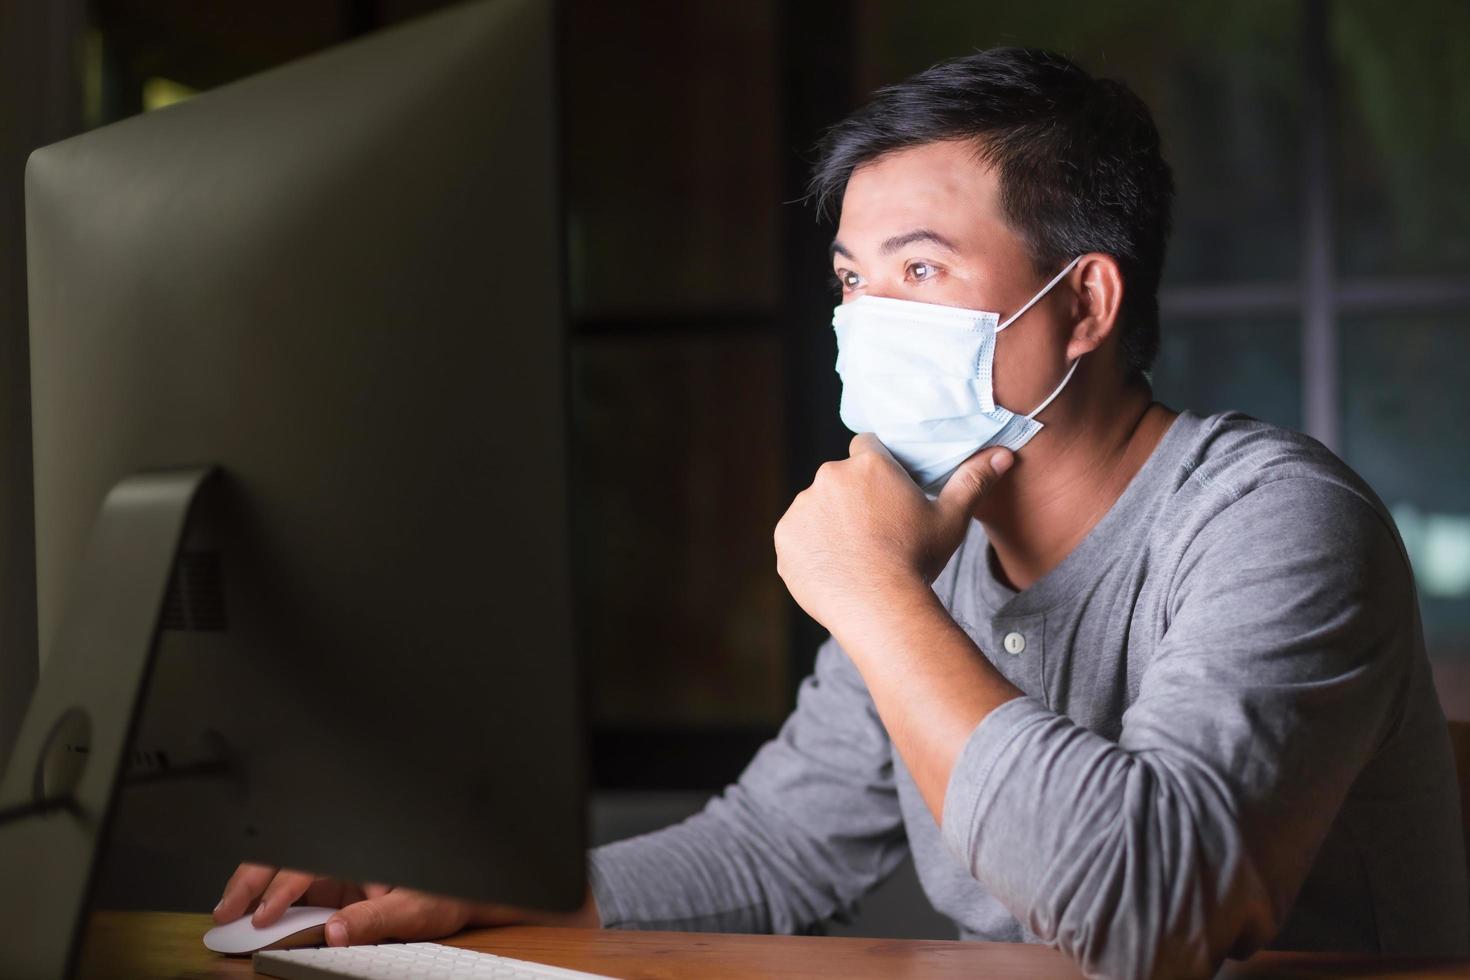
1078,161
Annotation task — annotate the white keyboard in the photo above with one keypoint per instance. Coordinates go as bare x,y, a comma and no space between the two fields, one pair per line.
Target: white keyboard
404,961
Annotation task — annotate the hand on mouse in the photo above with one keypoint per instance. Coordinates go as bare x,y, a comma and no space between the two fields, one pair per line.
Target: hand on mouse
269,891
376,912
407,915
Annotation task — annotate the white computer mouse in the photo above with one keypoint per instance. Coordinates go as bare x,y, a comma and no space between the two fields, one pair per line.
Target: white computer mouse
299,925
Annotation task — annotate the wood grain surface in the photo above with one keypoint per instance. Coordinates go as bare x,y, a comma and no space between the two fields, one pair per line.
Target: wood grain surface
145,945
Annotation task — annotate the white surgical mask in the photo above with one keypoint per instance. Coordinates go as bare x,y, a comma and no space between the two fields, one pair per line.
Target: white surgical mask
918,376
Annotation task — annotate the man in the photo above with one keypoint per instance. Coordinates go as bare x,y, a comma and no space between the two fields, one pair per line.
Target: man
1144,686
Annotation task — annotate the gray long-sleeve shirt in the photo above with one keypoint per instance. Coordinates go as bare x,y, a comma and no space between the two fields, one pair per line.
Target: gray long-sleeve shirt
1229,739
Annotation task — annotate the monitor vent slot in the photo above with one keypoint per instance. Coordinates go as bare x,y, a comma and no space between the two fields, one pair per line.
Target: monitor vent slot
196,595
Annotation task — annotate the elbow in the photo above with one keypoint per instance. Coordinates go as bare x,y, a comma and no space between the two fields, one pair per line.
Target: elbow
1140,870
1149,932
1133,953
1176,913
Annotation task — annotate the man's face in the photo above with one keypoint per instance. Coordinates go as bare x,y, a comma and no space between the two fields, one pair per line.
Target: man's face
925,224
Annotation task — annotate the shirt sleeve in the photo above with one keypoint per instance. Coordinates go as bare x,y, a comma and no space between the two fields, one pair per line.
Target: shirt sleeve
810,826
1281,671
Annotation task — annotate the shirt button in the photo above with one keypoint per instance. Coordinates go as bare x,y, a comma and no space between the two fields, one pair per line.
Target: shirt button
1015,643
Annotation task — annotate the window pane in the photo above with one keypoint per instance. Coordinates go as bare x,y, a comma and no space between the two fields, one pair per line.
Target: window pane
1403,147
1223,82
1406,403
1252,365
679,479
672,169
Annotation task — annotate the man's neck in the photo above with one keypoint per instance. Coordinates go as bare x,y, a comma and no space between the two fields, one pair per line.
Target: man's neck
1068,477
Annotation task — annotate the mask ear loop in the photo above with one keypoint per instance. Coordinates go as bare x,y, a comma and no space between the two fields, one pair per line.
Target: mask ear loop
1016,315
1037,298
1055,391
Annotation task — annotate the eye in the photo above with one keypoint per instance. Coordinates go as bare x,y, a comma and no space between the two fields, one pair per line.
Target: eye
920,271
847,280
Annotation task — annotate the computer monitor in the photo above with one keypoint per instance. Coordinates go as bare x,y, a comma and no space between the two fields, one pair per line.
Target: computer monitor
337,286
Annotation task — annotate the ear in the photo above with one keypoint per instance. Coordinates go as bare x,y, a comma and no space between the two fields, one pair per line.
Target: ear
1097,285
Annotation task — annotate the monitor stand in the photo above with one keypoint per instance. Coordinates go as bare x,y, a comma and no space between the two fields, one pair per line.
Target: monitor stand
58,792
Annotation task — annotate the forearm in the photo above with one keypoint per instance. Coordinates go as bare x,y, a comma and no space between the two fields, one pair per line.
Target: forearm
708,873
811,826
930,683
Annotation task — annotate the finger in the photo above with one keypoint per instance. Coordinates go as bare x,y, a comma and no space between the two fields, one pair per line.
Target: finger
401,914
285,888
866,442
248,881
375,889
974,479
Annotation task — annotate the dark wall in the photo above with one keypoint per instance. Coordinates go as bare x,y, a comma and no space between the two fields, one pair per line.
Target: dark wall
38,105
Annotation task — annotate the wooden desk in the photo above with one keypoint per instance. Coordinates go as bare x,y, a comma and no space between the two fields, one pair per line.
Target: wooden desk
147,945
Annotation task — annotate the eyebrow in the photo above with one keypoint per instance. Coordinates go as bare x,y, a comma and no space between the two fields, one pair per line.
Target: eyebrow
897,242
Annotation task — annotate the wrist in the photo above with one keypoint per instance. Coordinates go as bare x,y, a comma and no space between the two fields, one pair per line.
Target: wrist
586,916
893,605
485,914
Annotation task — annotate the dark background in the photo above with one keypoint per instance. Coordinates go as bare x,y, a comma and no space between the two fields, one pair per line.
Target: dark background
1318,278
